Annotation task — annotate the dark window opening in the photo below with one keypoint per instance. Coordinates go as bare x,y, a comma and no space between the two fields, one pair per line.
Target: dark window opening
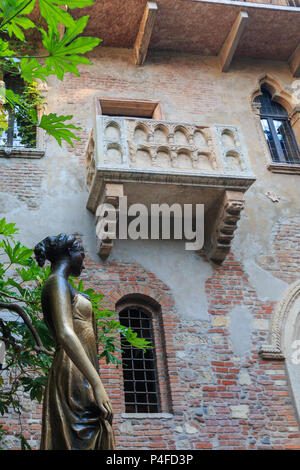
139,367
278,131
20,131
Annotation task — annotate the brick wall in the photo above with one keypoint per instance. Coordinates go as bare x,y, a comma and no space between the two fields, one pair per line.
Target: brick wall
22,179
284,260
211,398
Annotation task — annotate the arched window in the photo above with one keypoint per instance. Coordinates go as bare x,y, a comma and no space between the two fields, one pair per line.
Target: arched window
139,367
277,129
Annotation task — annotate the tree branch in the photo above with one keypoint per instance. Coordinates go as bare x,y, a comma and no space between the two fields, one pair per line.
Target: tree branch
18,348
20,299
17,309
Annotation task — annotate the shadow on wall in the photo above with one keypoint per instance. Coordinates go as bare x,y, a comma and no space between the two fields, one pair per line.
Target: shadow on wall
183,271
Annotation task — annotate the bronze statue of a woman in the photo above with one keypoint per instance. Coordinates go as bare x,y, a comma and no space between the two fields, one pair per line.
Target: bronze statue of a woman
77,413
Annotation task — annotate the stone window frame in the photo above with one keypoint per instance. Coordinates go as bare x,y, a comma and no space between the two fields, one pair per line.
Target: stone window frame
147,109
154,309
285,98
23,152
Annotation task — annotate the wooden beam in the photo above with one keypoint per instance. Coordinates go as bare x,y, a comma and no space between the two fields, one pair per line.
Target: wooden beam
231,42
143,38
294,62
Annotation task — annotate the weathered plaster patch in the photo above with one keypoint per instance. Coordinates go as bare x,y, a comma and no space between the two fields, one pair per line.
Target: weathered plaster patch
240,329
265,284
183,271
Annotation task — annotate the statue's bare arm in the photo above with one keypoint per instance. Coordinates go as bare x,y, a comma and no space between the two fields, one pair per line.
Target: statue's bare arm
58,301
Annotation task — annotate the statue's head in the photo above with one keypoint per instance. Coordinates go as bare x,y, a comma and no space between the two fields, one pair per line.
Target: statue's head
58,248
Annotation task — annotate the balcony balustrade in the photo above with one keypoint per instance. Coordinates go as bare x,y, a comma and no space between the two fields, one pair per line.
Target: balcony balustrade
153,161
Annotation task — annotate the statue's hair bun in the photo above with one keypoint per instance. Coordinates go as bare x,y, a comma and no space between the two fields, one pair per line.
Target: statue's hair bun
52,248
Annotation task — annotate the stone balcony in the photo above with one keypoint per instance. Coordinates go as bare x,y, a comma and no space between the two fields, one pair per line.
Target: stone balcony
155,162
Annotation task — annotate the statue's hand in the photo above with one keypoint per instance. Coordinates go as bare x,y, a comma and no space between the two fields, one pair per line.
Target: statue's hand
103,403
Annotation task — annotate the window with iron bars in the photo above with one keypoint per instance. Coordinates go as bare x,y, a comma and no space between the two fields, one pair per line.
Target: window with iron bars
20,131
139,367
278,131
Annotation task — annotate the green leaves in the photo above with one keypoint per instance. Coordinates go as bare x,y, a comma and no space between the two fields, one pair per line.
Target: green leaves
54,125
35,386
10,9
65,55
53,14
5,51
17,254
7,230
13,27
31,70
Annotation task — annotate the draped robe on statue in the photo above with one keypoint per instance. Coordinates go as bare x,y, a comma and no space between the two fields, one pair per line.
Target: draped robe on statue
71,416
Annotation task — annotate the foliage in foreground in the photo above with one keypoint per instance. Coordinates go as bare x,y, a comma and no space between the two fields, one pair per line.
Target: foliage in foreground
29,346
62,52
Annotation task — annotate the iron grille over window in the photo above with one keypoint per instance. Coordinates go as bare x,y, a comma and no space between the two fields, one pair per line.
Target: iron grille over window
20,130
278,131
139,367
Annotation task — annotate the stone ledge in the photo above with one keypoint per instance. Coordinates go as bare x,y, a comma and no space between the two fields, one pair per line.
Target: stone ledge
16,152
288,168
147,415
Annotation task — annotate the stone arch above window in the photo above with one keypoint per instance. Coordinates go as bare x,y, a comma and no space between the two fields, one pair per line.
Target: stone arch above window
279,94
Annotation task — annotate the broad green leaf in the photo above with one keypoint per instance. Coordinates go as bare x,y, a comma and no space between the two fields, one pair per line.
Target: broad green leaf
7,229
54,15
5,51
10,9
13,27
54,125
31,70
12,98
65,55
78,28
17,254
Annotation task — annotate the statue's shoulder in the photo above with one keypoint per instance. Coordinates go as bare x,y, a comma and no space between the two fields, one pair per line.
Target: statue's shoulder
54,284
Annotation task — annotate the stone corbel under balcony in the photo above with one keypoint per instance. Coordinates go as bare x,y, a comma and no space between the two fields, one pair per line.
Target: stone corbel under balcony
155,162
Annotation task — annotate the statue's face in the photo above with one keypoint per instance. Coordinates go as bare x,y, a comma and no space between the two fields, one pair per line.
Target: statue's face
77,265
